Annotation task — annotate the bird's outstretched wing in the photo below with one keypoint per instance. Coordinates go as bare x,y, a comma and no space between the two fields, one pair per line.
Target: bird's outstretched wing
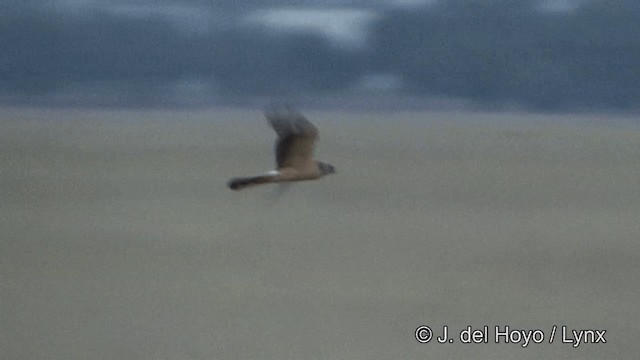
296,138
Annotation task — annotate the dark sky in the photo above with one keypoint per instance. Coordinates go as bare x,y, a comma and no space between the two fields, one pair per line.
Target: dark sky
543,54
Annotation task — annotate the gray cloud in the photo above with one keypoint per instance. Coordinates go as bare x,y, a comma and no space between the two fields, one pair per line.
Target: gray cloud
491,52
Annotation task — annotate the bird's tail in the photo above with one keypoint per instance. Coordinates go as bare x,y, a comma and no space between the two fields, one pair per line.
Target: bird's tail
243,182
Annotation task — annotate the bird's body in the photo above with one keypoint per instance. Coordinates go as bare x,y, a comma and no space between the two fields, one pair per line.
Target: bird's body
294,152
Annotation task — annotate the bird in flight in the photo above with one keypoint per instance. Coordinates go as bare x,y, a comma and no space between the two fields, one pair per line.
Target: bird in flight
294,152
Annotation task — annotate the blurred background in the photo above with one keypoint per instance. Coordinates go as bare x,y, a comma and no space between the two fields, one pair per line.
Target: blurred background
550,55
487,156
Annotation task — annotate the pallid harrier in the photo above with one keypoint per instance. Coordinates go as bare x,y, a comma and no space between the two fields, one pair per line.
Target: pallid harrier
294,152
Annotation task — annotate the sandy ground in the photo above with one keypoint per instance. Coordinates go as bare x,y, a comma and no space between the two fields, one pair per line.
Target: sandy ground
119,239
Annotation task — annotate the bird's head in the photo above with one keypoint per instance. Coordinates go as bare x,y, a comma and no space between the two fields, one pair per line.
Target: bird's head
326,169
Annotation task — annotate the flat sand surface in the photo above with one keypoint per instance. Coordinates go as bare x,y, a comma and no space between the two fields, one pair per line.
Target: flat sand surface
120,240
